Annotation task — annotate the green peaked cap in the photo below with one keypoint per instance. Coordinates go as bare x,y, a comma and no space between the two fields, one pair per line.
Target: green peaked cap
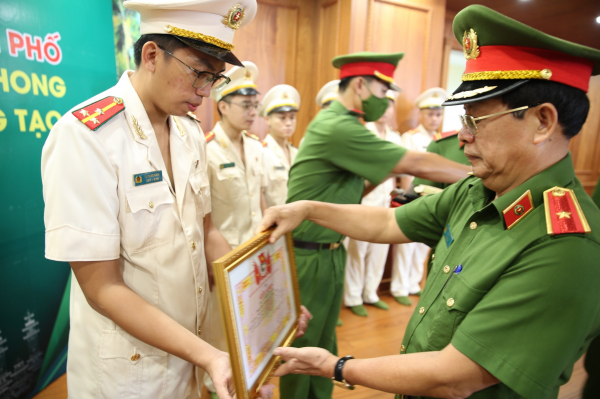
365,63
495,29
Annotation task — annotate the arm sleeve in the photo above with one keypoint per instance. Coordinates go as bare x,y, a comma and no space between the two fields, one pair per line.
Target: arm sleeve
529,328
424,219
80,195
356,149
432,147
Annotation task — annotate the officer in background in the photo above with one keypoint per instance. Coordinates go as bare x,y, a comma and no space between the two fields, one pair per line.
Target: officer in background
235,172
366,261
338,154
512,301
279,109
327,94
409,259
128,205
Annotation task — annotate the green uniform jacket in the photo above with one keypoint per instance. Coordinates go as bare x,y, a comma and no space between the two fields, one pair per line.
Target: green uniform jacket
448,147
337,154
526,304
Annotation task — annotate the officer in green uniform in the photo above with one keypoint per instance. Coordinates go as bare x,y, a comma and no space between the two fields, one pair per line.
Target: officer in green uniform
512,300
334,160
447,145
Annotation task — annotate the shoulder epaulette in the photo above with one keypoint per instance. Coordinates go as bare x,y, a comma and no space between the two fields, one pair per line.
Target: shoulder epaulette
414,131
563,212
253,136
264,143
97,114
516,211
191,115
444,135
209,136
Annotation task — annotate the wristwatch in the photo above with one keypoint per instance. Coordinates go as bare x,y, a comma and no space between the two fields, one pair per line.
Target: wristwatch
338,379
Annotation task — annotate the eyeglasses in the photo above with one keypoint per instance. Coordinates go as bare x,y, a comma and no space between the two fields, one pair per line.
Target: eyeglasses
470,123
246,106
204,78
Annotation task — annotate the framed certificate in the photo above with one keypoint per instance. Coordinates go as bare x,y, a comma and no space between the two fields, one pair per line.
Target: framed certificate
259,301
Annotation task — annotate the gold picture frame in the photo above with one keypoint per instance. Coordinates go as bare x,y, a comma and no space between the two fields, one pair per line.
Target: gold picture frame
257,281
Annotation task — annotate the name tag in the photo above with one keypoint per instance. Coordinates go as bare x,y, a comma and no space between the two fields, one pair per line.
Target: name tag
448,236
145,178
227,165
279,167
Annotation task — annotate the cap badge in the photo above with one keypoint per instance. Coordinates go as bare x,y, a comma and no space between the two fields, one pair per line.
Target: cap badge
470,47
234,18
285,95
247,74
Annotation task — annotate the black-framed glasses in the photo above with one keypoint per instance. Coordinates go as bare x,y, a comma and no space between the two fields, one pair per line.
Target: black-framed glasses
203,78
470,123
246,105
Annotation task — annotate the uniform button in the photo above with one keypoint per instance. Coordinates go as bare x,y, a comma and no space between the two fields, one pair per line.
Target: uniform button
199,290
251,194
193,245
473,225
402,348
135,357
151,204
450,302
229,177
199,331
446,269
253,213
432,256
422,310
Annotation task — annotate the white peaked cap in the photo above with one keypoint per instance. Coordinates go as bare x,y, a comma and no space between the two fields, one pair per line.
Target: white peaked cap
243,80
431,98
281,98
328,92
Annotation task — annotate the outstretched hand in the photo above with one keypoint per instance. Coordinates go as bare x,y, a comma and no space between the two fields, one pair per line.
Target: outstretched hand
309,361
285,217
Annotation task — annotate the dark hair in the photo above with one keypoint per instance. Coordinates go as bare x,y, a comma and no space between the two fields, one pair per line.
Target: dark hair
168,42
345,82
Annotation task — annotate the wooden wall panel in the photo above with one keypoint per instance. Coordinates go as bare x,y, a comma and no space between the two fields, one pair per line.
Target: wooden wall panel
585,147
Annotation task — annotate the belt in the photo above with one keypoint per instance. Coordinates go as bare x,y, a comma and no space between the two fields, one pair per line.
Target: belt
315,245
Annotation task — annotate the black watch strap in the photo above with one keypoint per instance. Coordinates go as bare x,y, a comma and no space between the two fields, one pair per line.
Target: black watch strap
337,371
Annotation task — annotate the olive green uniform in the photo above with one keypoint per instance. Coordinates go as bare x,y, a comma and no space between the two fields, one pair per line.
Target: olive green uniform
337,155
591,389
448,147
523,304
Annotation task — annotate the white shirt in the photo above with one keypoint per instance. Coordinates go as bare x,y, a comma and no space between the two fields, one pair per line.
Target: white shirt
380,196
277,170
417,139
235,187
94,212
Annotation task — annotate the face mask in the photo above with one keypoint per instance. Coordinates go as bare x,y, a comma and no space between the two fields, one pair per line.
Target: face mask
373,107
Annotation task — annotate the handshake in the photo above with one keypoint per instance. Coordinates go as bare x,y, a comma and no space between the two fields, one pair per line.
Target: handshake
402,197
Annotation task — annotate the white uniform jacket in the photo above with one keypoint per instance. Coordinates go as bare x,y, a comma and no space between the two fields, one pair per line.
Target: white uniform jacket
235,187
277,171
95,212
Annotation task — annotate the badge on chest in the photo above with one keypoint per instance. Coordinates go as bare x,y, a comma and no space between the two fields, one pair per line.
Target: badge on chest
146,178
448,236
227,165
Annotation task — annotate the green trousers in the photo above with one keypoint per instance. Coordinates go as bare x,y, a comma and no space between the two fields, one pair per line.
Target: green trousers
591,389
321,280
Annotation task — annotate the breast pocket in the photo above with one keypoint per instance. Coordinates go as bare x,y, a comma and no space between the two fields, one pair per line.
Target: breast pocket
231,182
149,220
458,299
129,368
278,174
201,189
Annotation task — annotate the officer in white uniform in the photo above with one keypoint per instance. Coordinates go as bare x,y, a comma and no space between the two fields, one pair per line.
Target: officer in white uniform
327,94
279,109
128,204
366,261
407,271
236,175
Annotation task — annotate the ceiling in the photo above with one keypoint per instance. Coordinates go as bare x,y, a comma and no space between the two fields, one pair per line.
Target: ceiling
572,20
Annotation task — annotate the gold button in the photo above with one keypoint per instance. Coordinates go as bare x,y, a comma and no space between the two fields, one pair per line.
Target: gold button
251,195
151,205
135,357
422,310
473,225
446,269
450,302
193,245
199,331
432,256
402,348
199,290
546,73
253,213
229,177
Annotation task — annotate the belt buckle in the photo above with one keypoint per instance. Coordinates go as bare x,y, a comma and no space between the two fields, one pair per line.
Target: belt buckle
334,245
